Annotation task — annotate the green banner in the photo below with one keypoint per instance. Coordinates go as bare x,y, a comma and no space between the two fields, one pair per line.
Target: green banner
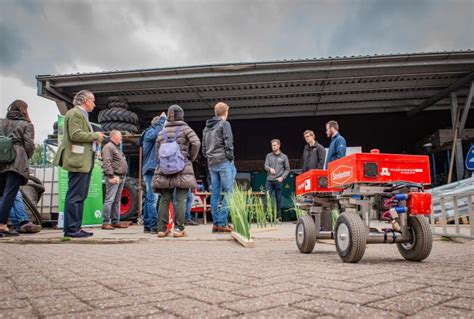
94,204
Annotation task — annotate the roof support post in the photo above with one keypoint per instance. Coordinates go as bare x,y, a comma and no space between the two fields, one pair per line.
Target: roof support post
459,151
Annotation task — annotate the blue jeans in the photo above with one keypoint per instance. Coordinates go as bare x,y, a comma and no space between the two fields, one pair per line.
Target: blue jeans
189,204
18,213
150,213
222,180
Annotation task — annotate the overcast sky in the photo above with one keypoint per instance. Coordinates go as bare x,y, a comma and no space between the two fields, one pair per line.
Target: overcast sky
69,36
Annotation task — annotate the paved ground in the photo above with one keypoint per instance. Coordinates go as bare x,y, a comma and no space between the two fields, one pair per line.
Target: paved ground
205,277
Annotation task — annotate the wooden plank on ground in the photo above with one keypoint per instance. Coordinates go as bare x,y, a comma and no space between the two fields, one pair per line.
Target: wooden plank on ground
263,230
243,241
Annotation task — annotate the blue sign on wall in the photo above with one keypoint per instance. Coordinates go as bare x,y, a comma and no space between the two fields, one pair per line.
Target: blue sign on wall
470,159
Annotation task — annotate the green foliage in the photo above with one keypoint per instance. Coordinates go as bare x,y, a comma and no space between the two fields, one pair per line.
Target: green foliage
334,216
296,207
37,158
237,203
271,210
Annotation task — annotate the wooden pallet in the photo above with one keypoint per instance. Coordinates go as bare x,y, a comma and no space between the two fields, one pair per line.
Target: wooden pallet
243,241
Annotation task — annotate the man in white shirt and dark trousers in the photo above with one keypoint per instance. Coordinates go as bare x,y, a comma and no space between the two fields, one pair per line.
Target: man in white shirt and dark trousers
278,168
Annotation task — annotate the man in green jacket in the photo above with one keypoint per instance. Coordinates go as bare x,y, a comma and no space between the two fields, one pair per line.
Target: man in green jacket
76,155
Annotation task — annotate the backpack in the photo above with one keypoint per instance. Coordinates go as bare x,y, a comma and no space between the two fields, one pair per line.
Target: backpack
7,150
172,161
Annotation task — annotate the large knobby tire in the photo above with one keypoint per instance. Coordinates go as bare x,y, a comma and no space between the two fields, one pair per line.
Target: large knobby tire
419,248
117,115
120,126
305,234
351,237
129,199
117,101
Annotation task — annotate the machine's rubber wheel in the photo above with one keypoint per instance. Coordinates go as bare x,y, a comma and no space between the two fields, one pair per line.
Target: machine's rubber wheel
129,199
351,237
120,126
305,234
117,115
419,248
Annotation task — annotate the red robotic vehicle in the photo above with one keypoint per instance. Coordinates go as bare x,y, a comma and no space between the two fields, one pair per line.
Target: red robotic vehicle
378,198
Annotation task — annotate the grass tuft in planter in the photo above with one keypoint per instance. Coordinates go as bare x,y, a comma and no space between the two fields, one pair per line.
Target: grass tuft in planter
271,210
237,203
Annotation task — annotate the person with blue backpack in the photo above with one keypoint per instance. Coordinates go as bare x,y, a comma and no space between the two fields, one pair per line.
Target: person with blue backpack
147,141
177,146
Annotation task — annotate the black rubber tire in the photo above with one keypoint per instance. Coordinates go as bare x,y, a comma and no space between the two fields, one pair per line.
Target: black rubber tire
33,192
121,105
356,234
305,234
34,189
117,101
33,215
116,98
422,240
121,126
34,179
117,115
130,186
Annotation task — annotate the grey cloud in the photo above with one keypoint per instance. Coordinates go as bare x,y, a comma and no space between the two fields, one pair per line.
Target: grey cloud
43,37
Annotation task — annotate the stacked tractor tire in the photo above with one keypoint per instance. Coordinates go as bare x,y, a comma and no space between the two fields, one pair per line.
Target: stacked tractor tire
118,117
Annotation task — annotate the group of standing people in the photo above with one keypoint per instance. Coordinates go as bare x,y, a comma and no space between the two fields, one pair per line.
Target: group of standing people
169,145
277,164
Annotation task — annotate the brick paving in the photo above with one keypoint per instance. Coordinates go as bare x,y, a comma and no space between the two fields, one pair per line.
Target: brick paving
176,278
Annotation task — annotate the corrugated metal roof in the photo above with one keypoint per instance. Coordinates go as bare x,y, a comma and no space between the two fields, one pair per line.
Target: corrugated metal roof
340,85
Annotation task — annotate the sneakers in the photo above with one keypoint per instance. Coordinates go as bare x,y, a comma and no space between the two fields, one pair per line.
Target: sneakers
77,234
179,233
222,229
88,234
190,222
162,234
30,228
8,233
107,227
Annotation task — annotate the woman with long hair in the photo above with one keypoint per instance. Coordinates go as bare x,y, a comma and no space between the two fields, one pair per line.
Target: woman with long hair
19,128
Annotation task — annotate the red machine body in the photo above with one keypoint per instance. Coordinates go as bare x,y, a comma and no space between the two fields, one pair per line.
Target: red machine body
379,168
419,203
313,181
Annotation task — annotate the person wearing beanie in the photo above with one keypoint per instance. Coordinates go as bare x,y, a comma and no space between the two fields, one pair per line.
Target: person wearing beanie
175,130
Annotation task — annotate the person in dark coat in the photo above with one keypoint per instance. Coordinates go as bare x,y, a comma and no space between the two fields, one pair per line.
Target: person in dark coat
314,153
18,126
189,144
